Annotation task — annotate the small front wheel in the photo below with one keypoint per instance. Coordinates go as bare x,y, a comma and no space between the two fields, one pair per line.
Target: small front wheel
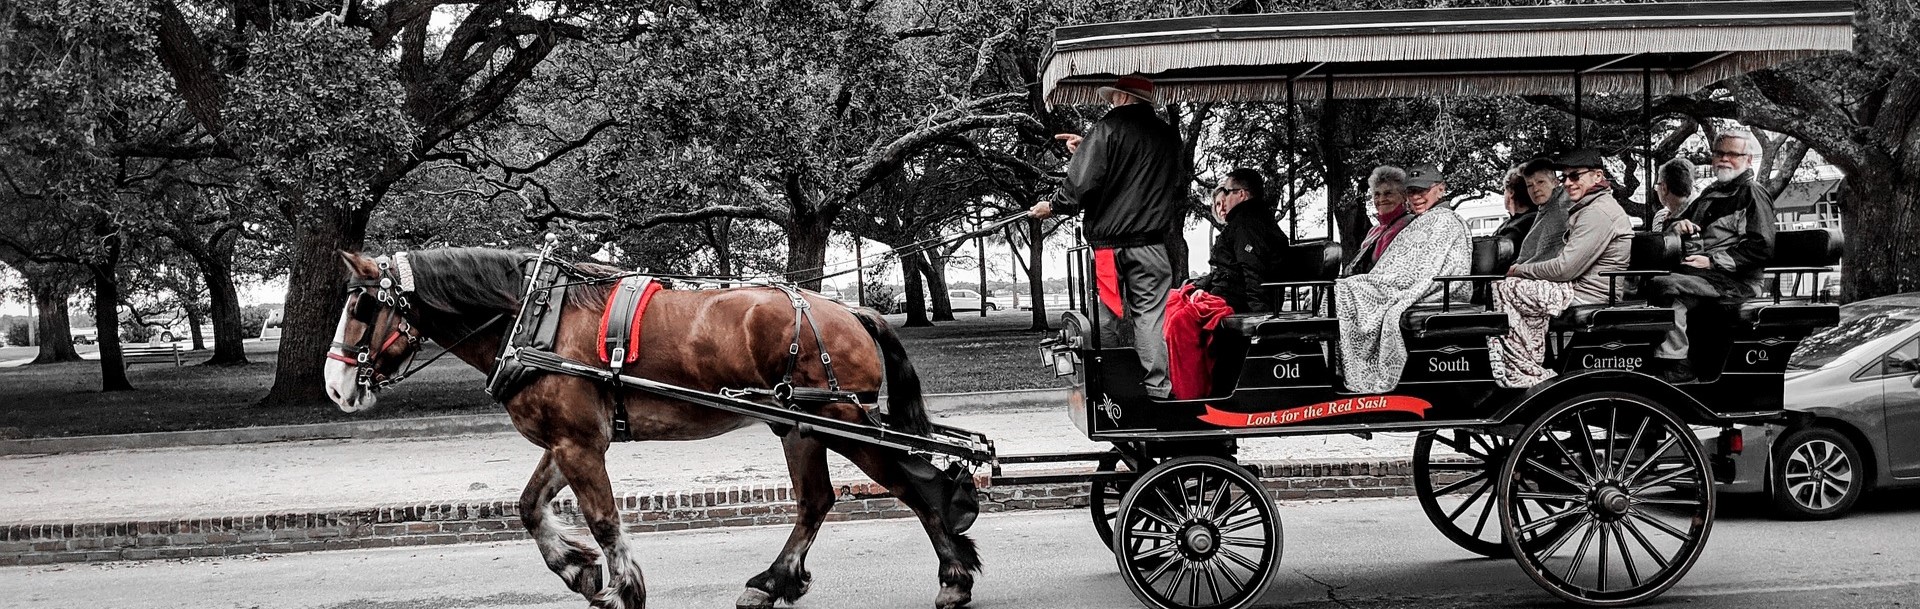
1197,532
1816,475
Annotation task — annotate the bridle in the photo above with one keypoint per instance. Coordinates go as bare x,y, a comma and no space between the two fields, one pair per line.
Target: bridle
390,289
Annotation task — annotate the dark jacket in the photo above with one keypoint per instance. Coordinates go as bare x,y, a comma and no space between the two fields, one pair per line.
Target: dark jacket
1736,234
1515,228
1246,254
1128,177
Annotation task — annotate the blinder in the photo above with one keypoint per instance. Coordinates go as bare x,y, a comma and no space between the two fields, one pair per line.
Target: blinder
389,293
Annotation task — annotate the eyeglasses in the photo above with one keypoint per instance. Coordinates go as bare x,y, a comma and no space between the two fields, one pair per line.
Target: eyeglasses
1728,154
1574,176
1224,190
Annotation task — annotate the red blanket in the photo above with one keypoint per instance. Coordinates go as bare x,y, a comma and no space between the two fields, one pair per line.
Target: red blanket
1192,316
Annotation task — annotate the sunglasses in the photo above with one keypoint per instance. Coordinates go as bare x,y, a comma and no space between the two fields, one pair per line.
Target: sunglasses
1224,190
1574,175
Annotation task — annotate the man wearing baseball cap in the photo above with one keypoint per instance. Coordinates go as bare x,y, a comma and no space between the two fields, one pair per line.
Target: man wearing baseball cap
1128,177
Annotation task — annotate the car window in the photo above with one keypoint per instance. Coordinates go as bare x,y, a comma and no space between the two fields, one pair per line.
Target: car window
1858,325
1903,360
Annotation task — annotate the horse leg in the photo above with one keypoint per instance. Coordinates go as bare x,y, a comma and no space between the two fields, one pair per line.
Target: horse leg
958,557
788,578
586,470
572,558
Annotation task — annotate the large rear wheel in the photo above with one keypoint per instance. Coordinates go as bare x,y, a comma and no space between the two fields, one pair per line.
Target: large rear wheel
1197,532
1607,500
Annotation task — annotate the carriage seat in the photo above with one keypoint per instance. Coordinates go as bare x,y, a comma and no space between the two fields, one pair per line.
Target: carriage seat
1801,253
1473,316
1650,254
1306,282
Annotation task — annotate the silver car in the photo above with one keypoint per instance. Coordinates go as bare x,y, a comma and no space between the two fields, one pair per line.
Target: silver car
1860,382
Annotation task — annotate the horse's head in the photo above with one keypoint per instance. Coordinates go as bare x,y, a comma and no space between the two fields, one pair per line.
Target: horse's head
375,336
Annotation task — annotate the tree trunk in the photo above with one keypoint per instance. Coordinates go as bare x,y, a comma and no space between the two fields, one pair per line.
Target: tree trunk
51,295
1350,213
935,270
1881,218
106,318
1036,282
916,304
194,319
807,249
1177,250
312,309
229,348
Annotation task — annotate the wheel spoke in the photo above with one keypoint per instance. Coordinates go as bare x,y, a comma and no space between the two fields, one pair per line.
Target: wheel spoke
1462,509
1460,445
1550,519
1244,562
1162,519
1646,544
1586,436
1580,555
1662,480
1651,457
1535,495
1664,527
1481,525
1213,505
1564,538
1571,460
1556,474
1626,555
1602,582
1244,542
1459,484
1213,583
1167,537
1159,549
1233,581
1613,420
1627,457
1679,502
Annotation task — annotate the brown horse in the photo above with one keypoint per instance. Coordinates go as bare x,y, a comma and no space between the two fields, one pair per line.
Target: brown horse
699,339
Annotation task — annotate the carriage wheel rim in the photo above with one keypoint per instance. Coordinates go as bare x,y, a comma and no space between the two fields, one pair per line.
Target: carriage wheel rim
1818,475
1197,534
1639,519
1469,523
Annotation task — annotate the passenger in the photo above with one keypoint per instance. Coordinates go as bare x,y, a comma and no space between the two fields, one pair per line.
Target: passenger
1598,238
1521,210
1726,238
1388,185
1129,177
1548,235
1675,189
1248,251
1434,243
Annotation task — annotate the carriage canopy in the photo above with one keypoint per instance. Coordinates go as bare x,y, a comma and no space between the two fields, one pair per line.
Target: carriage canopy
1667,48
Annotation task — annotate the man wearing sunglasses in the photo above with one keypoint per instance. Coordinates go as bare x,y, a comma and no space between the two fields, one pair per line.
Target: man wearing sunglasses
1598,239
1727,236
1247,252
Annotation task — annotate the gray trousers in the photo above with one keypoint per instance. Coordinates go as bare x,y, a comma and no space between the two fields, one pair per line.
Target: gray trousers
1145,278
1676,346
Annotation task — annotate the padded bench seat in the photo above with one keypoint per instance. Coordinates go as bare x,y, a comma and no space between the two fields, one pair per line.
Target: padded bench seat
1616,318
1429,321
1791,314
1288,326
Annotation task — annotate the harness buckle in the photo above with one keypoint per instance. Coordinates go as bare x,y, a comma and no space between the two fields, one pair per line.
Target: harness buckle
826,359
793,348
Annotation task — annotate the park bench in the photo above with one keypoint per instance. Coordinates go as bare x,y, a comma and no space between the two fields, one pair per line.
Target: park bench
155,354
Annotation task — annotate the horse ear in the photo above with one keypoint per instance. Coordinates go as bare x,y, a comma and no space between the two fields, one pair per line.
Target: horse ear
359,266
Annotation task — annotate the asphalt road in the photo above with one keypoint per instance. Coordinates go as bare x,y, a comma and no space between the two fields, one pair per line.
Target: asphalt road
1347,554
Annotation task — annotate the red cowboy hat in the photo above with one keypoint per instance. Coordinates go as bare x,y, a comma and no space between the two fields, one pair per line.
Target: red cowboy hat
1135,85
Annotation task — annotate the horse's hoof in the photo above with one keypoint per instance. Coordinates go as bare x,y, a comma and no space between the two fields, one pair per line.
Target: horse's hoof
582,579
951,598
754,598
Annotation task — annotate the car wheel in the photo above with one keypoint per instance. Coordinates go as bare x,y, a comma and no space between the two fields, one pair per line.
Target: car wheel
1817,475
992,307
166,337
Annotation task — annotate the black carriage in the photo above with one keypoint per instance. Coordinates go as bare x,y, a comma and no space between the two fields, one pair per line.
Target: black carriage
1597,481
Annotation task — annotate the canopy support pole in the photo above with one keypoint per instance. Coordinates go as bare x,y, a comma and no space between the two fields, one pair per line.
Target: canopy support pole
1646,117
1579,125
1293,158
1326,100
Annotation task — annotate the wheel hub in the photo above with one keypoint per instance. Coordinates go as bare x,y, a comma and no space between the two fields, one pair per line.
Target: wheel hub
1611,502
1199,541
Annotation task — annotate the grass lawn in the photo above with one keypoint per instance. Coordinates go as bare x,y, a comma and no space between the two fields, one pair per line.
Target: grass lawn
972,354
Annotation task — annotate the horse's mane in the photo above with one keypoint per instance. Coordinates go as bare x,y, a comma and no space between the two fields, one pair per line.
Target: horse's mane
475,283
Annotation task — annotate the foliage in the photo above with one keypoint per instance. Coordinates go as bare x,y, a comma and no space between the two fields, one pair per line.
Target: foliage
18,331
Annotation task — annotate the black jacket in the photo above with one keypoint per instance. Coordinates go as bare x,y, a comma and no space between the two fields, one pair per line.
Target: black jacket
1246,254
1514,230
1736,234
1128,177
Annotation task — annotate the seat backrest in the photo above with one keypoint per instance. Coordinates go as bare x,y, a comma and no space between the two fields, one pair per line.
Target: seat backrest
1654,251
1492,255
1807,247
1312,261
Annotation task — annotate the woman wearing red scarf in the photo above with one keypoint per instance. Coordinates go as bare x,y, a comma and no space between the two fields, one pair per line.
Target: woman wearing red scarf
1388,184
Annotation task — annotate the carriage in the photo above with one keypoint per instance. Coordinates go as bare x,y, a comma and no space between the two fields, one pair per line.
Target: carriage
1596,482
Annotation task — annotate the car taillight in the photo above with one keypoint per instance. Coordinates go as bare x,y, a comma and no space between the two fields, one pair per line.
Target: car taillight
1732,441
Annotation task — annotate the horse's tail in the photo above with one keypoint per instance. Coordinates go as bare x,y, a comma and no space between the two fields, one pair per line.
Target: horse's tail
906,406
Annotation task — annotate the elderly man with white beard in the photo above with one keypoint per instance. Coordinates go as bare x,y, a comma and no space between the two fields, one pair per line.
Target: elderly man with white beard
1727,236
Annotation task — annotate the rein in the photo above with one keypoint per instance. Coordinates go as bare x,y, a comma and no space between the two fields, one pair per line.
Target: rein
390,289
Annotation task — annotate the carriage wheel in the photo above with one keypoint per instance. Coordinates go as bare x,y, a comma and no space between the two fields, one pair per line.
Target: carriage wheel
1197,532
1457,491
1103,498
1631,480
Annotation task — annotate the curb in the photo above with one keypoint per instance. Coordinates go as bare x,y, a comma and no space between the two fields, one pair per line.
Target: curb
417,427
437,523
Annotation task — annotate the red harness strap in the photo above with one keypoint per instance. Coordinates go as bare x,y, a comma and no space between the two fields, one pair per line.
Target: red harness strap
634,316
